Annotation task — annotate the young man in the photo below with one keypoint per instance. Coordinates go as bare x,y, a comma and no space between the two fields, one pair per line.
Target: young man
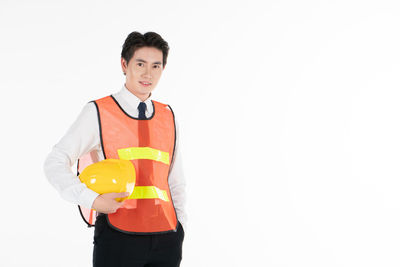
151,233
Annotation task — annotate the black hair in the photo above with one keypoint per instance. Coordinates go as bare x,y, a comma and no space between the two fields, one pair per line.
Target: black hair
136,40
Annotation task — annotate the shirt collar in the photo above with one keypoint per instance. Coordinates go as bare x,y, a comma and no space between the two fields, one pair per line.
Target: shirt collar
133,100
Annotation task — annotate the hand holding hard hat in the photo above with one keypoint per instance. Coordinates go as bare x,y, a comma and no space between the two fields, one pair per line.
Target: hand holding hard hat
112,179
106,203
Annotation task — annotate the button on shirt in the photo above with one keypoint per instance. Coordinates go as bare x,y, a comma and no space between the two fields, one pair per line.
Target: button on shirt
83,137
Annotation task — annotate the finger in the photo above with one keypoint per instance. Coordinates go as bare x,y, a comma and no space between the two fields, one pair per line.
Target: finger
121,203
123,194
118,195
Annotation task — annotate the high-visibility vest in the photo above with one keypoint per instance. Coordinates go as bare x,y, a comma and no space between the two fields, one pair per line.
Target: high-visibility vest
149,144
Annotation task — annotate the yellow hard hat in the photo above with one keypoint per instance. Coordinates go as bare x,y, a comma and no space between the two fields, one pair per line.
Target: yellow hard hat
110,176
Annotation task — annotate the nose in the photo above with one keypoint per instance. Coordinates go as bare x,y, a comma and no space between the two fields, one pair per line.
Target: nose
147,73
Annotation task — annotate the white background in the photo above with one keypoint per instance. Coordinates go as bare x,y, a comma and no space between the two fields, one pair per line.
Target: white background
289,121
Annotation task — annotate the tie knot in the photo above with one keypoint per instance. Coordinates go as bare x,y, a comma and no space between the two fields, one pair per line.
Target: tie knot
142,110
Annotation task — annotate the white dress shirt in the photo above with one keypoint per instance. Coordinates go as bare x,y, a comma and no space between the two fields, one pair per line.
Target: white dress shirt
83,136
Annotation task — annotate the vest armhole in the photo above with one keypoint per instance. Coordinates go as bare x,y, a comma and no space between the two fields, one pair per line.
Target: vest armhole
100,131
173,118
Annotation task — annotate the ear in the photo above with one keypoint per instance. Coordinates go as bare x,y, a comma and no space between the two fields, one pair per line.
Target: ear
123,65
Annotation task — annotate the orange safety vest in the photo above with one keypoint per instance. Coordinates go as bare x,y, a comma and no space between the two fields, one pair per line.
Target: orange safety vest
149,144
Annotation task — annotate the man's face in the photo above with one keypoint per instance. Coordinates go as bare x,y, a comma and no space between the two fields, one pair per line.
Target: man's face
143,71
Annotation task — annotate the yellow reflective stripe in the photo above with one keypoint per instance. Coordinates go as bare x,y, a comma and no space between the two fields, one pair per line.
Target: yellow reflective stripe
143,192
132,153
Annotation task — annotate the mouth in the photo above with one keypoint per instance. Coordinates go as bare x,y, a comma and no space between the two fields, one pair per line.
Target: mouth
145,83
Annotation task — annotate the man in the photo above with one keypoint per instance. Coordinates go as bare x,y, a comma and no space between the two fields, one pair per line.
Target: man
151,233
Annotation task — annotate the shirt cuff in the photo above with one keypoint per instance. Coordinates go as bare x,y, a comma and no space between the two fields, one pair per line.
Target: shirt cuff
87,198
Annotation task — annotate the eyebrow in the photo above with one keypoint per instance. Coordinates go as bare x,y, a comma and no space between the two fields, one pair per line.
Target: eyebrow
144,61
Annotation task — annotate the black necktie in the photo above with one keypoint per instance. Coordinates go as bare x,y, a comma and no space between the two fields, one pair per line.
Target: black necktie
142,110
144,167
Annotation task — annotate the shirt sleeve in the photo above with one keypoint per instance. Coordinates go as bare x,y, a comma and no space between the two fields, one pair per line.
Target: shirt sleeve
177,182
81,138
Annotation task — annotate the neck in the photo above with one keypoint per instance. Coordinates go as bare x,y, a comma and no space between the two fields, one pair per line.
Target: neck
142,97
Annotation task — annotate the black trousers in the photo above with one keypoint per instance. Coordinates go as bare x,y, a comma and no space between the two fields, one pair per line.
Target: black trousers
113,248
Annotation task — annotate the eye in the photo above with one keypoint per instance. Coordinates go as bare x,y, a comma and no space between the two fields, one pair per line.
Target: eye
156,66
140,64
